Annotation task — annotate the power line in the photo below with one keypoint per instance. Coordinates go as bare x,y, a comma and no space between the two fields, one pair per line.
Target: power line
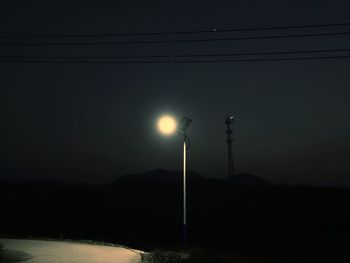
179,32
169,61
171,41
181,56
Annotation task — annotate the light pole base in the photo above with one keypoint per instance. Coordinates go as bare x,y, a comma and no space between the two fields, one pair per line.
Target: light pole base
184,236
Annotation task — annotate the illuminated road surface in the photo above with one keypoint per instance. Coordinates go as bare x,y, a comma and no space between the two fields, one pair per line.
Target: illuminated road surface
70,252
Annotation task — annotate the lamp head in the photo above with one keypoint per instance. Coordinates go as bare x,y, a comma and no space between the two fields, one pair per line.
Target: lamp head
229,120
183,125
167,125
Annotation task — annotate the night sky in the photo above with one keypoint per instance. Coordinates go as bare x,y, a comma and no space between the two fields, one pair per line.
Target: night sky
81,122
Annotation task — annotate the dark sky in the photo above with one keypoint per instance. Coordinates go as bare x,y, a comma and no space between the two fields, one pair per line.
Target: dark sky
93,122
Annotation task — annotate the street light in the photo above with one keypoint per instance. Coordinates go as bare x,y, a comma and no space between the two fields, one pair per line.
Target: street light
166,125
182,128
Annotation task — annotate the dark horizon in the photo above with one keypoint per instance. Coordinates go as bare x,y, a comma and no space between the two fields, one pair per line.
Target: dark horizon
240,179
274,223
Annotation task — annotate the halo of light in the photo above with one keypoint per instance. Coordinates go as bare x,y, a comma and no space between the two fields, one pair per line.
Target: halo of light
167,125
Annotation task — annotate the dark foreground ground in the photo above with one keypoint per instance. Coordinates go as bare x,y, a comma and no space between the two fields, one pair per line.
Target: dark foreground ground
246,217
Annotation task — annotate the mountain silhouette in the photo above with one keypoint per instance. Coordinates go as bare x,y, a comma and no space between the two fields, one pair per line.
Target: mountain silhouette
159,176
165,176
245,179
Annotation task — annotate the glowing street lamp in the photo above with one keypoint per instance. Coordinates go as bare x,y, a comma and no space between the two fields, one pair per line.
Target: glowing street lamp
167,126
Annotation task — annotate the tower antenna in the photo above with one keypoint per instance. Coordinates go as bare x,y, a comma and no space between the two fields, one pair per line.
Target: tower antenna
229,131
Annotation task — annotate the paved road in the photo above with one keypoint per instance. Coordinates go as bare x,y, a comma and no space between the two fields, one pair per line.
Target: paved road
70,252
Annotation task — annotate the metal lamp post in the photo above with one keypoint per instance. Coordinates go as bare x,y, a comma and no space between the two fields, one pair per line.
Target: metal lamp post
167,125
182,128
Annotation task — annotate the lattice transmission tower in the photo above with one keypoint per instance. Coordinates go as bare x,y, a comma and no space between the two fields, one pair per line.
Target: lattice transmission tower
229,131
